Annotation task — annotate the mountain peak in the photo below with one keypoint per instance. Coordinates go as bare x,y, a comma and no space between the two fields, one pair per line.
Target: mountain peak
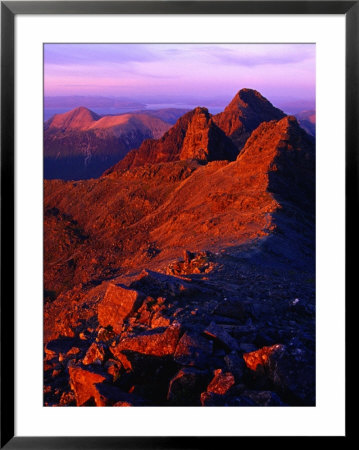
275,135
247,93
201,110
282,152
247,110
204,140
76,119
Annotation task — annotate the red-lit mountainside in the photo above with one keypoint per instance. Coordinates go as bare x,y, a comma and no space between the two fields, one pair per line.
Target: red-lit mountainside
185,274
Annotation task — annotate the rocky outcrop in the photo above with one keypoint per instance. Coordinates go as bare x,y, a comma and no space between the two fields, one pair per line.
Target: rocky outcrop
117,305
158,342
83,383
194,136
205,141
247,110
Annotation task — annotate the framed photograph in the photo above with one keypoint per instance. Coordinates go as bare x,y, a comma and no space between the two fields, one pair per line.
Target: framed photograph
175,179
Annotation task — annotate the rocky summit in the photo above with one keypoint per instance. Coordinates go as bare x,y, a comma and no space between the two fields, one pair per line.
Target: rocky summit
185,274
245,113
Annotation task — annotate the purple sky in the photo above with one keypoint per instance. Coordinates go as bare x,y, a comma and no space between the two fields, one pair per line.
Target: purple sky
198,74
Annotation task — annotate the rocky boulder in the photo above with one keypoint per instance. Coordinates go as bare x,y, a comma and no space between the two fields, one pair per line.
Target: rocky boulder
156,342
193,350
83,383
290,369
117,305
218,333
221,382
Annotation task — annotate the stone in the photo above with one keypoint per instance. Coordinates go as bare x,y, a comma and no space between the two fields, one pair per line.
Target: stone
258,359
94,388
193,350
83,383
117,305
221,382
158,320
156,342
217,332
94,355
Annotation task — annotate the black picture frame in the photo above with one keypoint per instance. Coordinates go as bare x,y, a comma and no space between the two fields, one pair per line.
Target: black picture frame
9,9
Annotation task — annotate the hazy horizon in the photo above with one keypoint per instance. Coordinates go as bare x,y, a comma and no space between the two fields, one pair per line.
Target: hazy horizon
182,74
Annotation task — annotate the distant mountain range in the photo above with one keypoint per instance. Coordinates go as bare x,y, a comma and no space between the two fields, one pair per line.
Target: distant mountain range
82,144
307,120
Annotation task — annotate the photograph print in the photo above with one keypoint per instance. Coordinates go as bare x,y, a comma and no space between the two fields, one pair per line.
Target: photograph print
179,225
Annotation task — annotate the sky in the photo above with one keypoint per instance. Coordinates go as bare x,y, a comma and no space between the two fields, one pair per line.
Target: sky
188,74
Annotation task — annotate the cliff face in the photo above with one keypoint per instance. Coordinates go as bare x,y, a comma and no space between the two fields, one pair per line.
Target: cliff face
205,141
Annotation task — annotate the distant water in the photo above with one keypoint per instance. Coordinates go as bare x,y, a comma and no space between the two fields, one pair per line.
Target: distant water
49,112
